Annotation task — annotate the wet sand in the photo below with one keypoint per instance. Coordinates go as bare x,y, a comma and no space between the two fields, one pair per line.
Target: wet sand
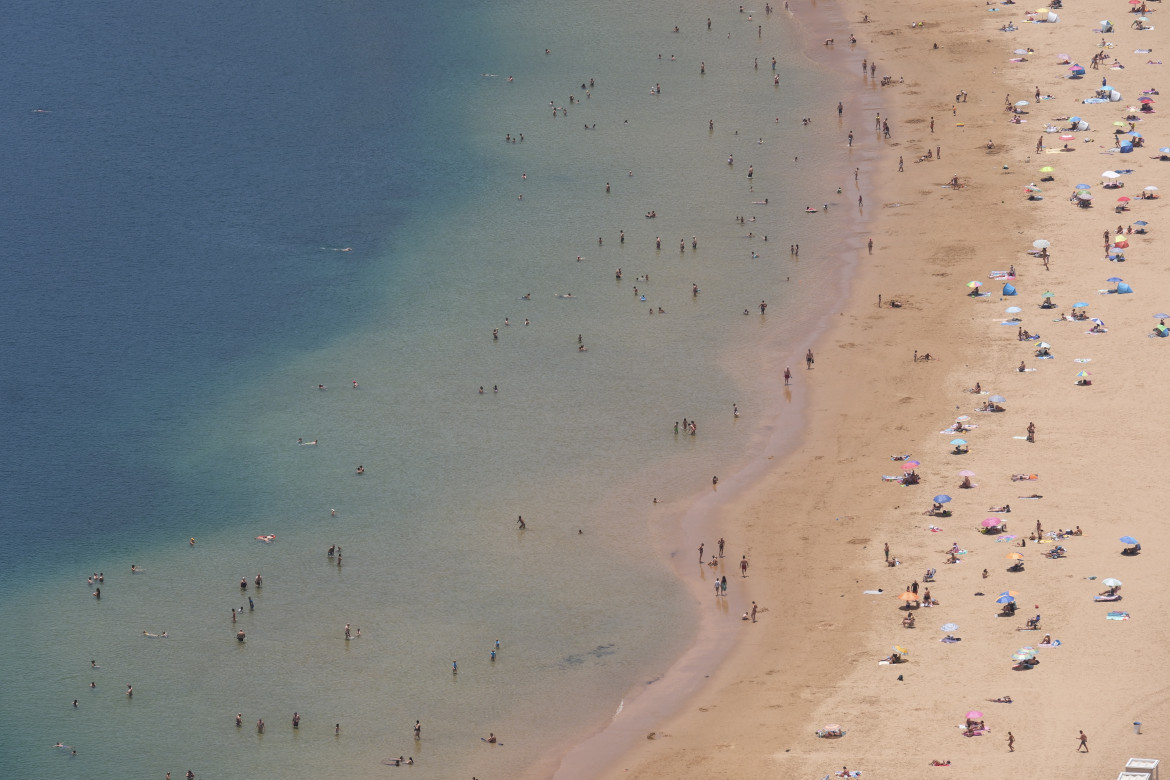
817,523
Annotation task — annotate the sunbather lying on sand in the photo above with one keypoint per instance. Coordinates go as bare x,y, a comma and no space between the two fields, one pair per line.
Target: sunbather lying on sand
1005,508
1024,477
1002,700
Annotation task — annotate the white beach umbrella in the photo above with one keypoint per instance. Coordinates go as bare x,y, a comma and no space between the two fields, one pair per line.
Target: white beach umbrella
1111,175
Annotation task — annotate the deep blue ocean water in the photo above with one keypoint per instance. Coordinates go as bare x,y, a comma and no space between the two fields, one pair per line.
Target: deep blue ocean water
178,183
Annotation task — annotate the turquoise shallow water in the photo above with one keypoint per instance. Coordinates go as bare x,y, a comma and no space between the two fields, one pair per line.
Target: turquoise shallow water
173,299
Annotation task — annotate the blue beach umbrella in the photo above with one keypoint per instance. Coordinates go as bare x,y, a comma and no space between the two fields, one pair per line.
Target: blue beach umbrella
998,399
1115,279
942,499
1013,310
1077,118
1084,187
1129,540
958,442
1165,150
1161,316
1005,599
1141,222
1080,305
1135,134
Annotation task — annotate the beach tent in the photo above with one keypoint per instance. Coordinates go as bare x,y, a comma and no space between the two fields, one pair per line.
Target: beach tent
1123,287
1052,18
1126,147
1115,96
1082,125
1009,290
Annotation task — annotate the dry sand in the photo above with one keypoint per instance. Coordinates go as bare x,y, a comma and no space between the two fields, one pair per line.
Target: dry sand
817,524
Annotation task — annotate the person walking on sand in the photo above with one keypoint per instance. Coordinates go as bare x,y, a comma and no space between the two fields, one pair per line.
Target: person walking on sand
720,546
743,564
808,359
1031,432
520,522
787,374
1011,743
1084,743
754,612
700,552
887,552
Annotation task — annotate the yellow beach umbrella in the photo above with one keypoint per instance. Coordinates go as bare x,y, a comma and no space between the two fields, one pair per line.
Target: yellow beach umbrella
1015,556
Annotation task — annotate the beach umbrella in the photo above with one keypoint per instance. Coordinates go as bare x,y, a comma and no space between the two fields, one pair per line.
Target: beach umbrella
1022,103
1080,305
1083,186
1083,375
1014,556
966,473
1047,169
1020,51
1067,137
900,650
913,463
1141,222
908,596
942,498
1041,243
1084,196
1111,175
1123,199
958,442
1135,134
949,627
991,522
1161,316
1032,188
1112,583
1116,251
1013,310
1146,100
1165,150
1122,244
1077,70
1143,18
832,727
1063,57
963,418
1029,651
1097,321
1129,540
1010,593
999,399
1115,279
974,284
1044,345
908,466
1151,188
1022,657
974,715
1048,294
1004,600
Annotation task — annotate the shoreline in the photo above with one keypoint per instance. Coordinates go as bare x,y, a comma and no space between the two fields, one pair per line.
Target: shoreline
816,663
704,516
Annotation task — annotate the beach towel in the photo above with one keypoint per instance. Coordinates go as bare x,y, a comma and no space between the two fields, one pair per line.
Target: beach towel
1006,538
1053,643
888,478
1114,597
1117,616
1044,357
872,592
1082,360
950,639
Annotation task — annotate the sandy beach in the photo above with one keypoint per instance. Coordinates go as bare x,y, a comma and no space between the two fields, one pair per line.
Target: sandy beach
816,525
